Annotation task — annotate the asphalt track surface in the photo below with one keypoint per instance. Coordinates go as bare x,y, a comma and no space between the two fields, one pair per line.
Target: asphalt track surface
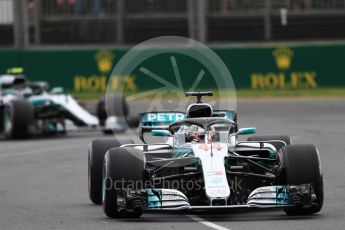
43,181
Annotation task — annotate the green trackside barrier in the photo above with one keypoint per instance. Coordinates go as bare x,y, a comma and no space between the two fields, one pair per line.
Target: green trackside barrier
258,68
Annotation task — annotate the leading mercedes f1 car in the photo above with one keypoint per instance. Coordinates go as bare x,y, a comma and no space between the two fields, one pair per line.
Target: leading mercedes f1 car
203,166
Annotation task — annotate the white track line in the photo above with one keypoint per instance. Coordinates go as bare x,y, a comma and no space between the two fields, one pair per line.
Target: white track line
207,223
39,151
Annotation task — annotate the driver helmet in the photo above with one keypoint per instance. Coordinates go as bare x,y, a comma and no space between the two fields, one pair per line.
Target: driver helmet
195,133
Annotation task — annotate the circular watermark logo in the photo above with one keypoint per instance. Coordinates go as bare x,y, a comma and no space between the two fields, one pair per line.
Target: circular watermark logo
156,74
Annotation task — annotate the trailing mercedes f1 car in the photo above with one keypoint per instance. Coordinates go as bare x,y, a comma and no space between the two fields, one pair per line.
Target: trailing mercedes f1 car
28,108
203,166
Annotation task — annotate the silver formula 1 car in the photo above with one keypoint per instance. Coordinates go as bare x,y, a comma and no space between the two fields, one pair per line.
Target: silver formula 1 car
28,108
203,166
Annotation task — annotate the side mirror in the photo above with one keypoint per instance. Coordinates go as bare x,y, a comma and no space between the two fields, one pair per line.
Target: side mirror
245,131
160,133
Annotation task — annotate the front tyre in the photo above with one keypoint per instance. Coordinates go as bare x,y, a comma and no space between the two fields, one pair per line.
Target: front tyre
96,153
18,117
301,165
124,169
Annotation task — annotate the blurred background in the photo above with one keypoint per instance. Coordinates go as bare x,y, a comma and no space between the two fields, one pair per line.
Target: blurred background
30,23
267,44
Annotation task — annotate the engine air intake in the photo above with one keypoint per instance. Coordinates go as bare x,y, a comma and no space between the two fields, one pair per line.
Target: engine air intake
199,110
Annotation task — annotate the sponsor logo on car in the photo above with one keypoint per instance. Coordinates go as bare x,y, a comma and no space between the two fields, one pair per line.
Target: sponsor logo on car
165,117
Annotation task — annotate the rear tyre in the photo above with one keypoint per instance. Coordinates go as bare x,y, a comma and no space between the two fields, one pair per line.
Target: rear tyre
101,112
301,165
120,110
124,168
96,153
19,115
133,121
278,145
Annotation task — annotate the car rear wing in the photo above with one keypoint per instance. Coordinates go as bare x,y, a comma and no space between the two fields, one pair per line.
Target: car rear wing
161,120
228,114
157,120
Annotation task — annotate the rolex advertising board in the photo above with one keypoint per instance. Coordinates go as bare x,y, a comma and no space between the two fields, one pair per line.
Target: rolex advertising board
258,68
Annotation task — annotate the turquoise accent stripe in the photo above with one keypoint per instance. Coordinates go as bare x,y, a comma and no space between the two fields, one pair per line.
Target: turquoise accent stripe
282,195
153,199
39,102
